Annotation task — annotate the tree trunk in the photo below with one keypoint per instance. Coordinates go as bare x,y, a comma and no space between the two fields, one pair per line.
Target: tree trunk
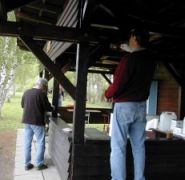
8,64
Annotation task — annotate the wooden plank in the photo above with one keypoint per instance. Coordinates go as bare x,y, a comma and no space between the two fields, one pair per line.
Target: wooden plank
49,65
48,32
49,8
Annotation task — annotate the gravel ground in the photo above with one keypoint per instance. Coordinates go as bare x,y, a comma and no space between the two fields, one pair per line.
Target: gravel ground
7,154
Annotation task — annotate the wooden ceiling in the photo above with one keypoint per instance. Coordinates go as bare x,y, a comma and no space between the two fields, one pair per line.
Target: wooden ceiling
108,21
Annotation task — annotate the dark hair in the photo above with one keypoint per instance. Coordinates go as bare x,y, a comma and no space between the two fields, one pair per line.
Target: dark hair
142,36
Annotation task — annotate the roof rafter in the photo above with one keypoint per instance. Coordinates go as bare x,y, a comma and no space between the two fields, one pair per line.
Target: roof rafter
48,32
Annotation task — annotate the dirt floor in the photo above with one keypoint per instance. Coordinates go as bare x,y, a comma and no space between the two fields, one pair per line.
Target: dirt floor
7,154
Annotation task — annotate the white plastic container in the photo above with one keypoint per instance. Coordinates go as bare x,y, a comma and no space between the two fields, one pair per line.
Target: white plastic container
165,120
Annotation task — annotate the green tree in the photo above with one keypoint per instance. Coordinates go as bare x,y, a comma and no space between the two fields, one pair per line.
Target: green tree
27,70
14,60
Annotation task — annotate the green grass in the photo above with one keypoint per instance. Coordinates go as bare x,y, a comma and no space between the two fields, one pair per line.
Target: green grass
11,114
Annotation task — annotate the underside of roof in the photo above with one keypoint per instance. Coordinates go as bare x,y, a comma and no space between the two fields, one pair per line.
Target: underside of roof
103,22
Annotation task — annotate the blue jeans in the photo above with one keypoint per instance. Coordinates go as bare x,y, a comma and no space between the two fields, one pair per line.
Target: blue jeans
129,121
39,132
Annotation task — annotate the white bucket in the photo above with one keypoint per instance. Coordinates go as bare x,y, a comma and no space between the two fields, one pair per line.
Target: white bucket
165,120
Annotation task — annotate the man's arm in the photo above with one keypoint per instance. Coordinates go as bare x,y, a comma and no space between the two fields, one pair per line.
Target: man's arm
120,78
46,104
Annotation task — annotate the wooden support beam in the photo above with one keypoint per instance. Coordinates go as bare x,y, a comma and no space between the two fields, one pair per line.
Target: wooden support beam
55,97
3,11
106,78
52,9
80,103
49,65
94,71
48,32
35,18
14,4
81,87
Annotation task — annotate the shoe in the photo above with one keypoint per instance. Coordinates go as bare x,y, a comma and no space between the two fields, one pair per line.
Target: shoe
29,166
42,166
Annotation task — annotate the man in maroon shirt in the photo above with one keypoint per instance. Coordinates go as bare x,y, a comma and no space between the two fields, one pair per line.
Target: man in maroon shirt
129,91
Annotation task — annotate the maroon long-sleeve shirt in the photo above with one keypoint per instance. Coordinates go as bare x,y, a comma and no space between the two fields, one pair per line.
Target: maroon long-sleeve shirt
132,78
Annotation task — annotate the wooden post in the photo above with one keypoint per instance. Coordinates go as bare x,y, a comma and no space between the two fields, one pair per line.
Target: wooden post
80,96
82,60
55,97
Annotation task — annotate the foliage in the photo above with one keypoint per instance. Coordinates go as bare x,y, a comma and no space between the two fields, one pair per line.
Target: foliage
27,71
15,64
8,64
96,86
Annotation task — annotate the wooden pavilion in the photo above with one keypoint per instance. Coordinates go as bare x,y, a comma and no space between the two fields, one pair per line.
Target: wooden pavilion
76,35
